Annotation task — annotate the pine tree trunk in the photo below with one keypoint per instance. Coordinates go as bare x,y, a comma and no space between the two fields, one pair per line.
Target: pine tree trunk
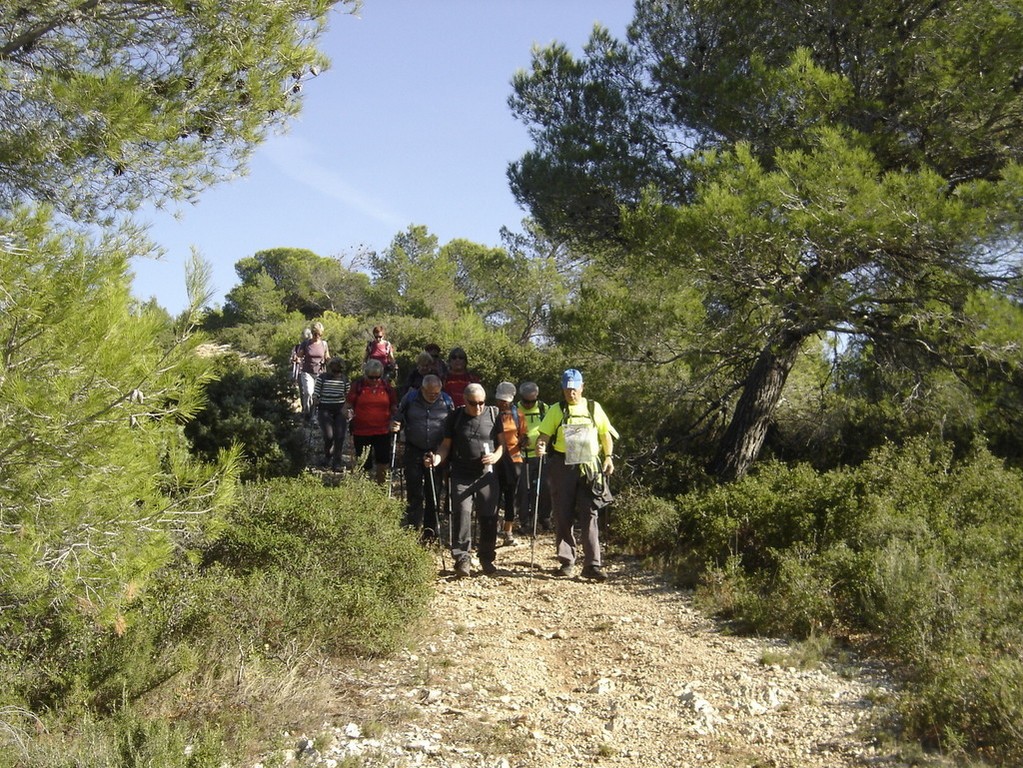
742,441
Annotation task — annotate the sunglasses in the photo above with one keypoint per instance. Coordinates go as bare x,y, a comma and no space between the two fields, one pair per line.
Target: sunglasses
457,357
474,403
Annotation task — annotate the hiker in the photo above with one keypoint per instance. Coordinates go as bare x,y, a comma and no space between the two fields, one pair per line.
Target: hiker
578,433
379,348
532,500
423,416
372,401
509,469
473,444
459,376
442,367
425,365
329,397
314,354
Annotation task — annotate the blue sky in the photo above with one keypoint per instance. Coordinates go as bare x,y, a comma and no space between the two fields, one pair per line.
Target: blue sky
409,126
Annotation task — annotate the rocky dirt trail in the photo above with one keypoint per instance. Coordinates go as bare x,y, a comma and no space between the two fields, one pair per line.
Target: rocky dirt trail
524,669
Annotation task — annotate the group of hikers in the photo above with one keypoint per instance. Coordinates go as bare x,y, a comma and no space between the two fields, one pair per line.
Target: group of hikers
517,462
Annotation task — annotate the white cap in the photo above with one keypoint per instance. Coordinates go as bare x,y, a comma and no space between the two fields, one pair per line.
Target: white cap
505,391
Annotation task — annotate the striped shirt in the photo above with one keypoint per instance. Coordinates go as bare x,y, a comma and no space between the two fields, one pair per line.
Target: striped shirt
330,390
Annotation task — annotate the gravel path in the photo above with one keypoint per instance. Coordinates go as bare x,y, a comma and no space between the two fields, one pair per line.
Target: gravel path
528,670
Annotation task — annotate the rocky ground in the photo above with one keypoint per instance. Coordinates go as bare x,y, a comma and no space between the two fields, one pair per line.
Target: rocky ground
524,669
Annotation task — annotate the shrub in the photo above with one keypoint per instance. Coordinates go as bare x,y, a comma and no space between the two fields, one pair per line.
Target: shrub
954,704
249,405
644,524
297,571
324,565
918,548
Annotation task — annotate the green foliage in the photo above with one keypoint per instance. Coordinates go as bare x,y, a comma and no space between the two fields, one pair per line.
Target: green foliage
126,739
415,277
647,524
959,704
757,162
285,280
145,100
916,547
515,287
249,406
255,301
98,489
299,571
324,565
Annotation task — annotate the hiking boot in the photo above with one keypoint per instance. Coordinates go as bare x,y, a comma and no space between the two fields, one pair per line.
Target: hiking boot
509,539
489,568
567,570
594,572
463,568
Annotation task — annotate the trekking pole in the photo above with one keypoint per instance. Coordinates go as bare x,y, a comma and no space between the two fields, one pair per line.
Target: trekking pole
390,477
536,514
436,512
450,515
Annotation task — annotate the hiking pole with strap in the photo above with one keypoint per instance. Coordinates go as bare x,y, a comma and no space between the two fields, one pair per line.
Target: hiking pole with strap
536,514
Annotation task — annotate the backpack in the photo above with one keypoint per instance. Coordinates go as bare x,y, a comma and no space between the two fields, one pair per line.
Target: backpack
565,415
411,395
515,417
326,352
460,416
599,486
360,384
371,348
542,405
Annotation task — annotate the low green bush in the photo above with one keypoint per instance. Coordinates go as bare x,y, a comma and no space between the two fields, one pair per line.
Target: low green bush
212,653
959,705
324,565
920,549
646,525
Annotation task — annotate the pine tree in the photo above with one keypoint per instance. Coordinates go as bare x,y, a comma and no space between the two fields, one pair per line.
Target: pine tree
98,487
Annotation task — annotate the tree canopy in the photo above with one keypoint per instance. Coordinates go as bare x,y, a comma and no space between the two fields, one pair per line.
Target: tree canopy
853,169
281,280
106,104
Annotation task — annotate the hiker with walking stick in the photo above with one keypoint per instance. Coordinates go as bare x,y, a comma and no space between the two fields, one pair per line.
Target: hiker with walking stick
473,443
534,496
578,440
509,469
423,417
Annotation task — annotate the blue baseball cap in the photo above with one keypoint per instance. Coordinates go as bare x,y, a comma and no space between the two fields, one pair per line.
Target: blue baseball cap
571,379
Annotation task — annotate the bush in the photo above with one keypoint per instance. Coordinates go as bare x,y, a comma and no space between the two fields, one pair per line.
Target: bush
646,525
297,572
325,565
249,405
957,704
921,550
